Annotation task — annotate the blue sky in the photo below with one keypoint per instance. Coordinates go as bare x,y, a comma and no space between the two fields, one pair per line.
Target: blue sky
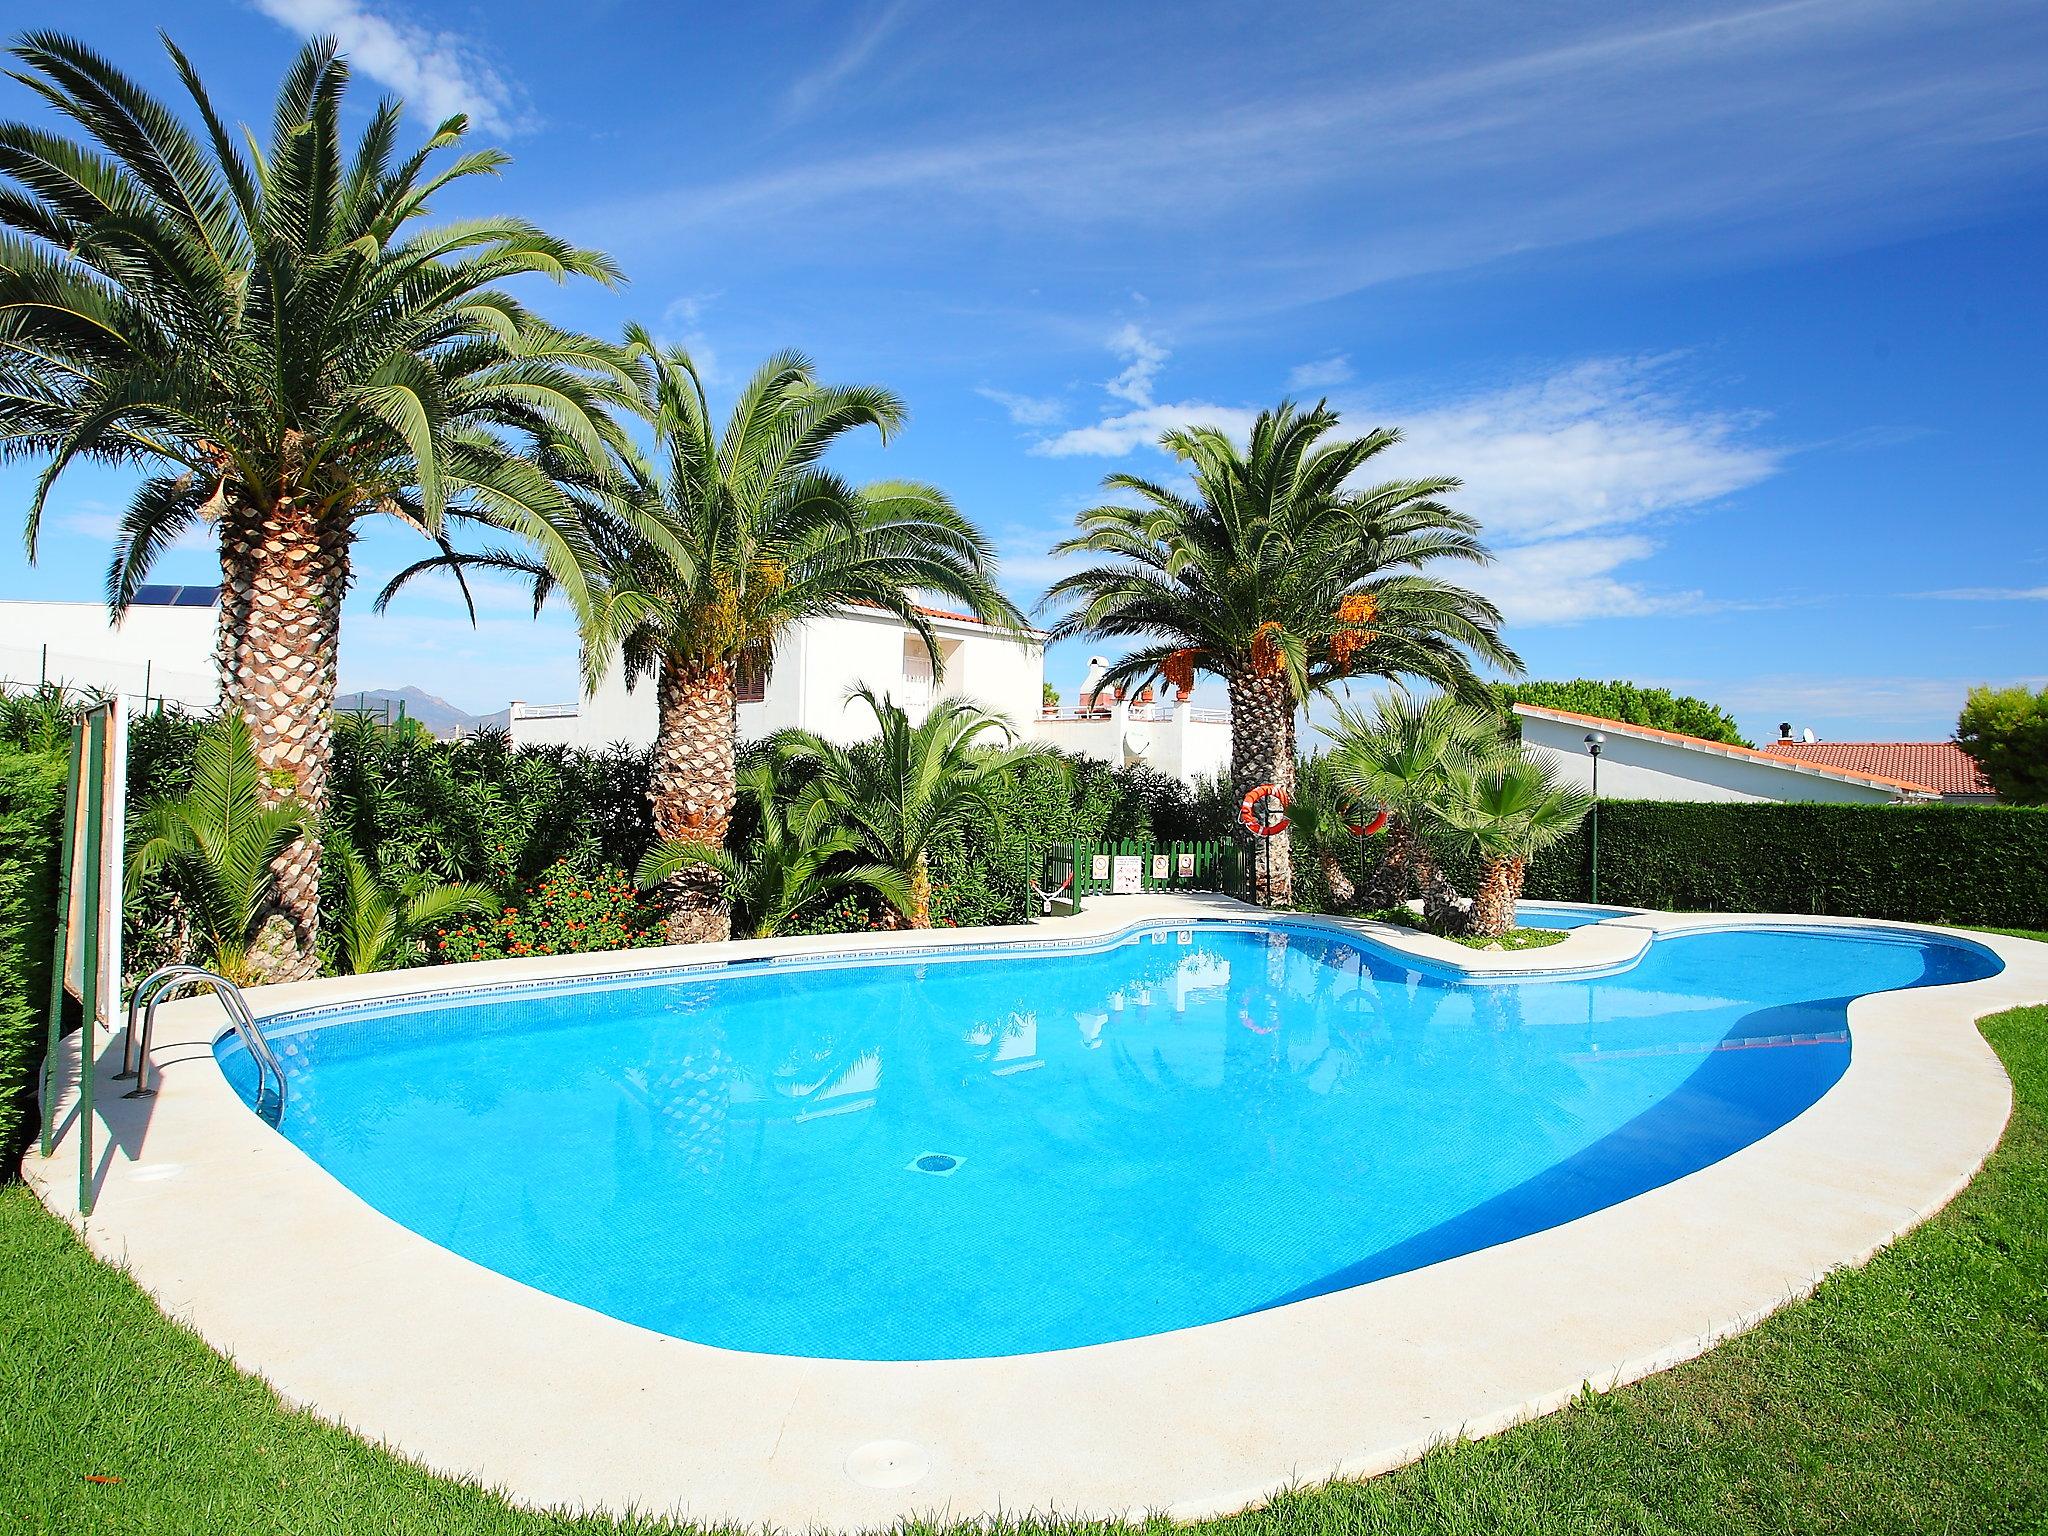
1730,318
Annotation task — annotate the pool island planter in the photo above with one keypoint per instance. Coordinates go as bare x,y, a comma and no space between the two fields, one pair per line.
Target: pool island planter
238,1233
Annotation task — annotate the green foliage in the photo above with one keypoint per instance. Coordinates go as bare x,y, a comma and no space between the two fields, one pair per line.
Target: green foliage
217,842
797,858
2005,730
383,922
37,719
1978,864
565,912
31,831
1658,708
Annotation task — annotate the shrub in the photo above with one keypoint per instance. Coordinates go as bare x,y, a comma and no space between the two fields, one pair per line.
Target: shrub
564,912
1659,708
2005,731
1978,864
31,800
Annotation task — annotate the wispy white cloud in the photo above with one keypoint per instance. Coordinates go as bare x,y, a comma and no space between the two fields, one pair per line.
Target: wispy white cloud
1027,410
1845,706
1327,374
100,523
1565,581
1990,594
1554,136
1143,358
808,91
1121,431
438,72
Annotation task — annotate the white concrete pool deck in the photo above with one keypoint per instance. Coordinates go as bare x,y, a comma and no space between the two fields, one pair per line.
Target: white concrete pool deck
238,1234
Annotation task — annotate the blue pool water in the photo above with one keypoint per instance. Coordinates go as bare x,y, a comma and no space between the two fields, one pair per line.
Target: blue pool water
996,1154
1541,914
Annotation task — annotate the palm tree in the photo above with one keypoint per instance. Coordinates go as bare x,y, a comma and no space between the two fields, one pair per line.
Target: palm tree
1401,756
912,784
731,540
1506,815
1320,822
220,843
797,858
1277,578
283,349
383,922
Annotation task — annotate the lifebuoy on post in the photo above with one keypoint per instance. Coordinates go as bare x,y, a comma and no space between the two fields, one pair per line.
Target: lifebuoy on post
1366,829
1252,810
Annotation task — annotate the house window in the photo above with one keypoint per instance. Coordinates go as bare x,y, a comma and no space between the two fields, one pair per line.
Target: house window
750,677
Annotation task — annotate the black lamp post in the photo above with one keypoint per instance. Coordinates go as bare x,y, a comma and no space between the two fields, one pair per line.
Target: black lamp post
1594,741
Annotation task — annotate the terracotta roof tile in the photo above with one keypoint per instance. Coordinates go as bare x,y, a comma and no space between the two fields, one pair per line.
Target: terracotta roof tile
1940,764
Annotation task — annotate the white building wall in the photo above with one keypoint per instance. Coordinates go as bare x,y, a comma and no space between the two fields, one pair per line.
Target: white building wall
1632,768
166,652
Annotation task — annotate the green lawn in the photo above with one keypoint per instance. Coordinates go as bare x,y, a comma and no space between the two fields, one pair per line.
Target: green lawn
1911,1395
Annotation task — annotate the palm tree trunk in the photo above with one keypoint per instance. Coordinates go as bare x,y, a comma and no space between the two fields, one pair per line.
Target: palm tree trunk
1262,752
691,786
921,893
1493,904
1394,882
284,572
1342,891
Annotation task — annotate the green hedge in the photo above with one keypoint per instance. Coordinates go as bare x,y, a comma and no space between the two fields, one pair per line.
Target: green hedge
1979,864
31,800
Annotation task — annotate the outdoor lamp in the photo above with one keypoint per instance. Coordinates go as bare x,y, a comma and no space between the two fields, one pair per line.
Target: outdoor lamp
1594,741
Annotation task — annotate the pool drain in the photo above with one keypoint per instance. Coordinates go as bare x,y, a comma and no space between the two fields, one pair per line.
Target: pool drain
939,1163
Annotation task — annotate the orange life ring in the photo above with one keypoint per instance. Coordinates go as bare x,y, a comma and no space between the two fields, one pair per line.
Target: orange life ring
1377,824
1248,810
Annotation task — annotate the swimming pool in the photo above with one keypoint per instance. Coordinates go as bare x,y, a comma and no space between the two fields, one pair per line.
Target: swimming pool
1014,1150
1544,914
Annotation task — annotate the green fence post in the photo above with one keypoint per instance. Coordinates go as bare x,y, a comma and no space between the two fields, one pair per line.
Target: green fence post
58,945
89,987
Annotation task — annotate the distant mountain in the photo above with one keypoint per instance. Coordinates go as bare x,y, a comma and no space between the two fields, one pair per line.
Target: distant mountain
437,716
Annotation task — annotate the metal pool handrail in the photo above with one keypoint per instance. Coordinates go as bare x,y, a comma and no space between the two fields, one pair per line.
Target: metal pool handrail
158,987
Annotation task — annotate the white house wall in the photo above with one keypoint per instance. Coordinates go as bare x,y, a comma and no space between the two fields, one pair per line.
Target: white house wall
167,652
1632,768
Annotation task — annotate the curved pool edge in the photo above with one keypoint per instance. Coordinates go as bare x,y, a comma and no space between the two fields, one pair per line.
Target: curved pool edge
236,1232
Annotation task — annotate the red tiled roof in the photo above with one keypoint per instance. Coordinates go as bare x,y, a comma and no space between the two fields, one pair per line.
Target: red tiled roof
1941,765
959,618
1701,743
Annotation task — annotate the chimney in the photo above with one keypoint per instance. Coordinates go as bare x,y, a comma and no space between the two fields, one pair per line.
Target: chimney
1784,730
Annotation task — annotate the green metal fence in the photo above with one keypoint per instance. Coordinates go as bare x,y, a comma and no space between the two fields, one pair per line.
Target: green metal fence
1128,867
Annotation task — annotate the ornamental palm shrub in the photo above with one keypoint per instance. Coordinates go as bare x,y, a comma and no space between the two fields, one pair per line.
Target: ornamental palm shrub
796,860
1400,755
1505,815
383,922
718,543
1321,817
285,348
219,844
1277,576
913,784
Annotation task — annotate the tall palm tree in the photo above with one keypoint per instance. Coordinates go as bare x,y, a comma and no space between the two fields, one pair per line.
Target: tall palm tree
1281,580
283,348
1506,815
902,791
1401,755
1319,825
220,841
735,538
796,859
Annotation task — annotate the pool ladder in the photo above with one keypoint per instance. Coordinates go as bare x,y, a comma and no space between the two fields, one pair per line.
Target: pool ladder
161,985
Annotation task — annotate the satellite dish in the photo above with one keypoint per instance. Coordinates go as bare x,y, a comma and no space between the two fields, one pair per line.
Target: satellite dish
1807,736
1137,743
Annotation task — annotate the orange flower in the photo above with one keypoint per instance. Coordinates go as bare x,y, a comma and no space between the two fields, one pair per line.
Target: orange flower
1179,670
1357,610
1266,661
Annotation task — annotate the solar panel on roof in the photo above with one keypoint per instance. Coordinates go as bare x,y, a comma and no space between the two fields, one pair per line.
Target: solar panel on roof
157,595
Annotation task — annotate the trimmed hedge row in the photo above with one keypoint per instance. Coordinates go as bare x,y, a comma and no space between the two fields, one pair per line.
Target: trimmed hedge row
31,800
1977,864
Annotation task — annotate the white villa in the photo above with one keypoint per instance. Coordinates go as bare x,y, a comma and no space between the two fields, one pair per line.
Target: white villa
1638,762
1002,670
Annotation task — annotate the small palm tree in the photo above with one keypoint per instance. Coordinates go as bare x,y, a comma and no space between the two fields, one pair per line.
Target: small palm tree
285,349
1276,577
722,543
1506,815
383,923
1400,755
219,842
902,791
796,860
1321,818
